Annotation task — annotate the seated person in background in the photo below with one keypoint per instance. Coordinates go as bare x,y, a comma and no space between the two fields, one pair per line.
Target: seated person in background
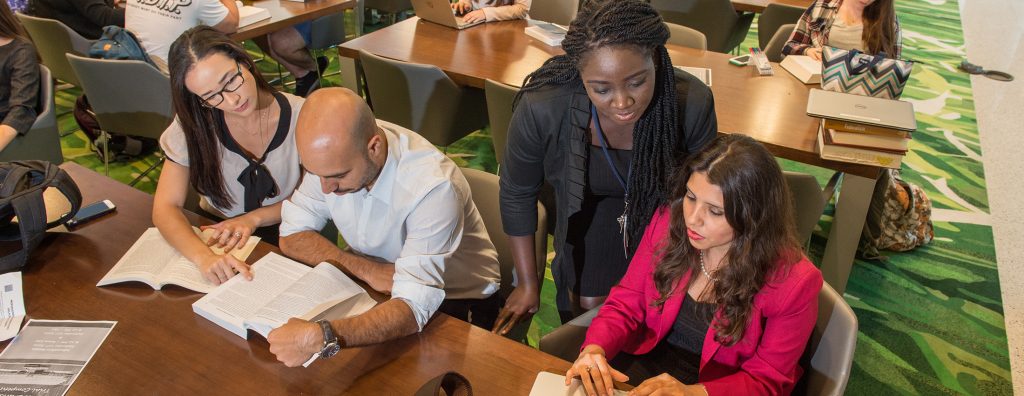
157,24
232,140
719,298
288,47
19,79
87,17
405,211
616,104
492,10
870,26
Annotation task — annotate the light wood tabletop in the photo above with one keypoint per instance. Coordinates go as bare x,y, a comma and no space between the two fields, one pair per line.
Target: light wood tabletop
159,346
770,109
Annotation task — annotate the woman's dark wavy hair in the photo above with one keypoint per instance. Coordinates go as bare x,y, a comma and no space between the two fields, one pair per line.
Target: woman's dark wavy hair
626,23
880,27
757,207
201,124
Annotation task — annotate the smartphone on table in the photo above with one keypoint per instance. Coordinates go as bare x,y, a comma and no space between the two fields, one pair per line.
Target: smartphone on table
91,212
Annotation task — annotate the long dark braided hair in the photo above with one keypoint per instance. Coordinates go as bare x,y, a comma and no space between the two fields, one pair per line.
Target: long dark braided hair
627,23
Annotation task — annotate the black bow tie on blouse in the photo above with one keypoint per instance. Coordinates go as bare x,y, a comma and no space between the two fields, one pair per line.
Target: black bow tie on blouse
257,181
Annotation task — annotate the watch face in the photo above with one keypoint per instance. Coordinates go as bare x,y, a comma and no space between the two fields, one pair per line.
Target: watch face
330,349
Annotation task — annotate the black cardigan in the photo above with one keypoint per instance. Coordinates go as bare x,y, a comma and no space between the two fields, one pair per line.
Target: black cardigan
87,17
19,85
549,140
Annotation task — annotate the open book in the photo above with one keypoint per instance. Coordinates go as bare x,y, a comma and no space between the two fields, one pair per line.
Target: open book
282,289
551,384
248,15
151,260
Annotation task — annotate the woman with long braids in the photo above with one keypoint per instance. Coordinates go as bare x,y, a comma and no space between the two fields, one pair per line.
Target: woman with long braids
604,125
719,298
492,10
870,26
233,141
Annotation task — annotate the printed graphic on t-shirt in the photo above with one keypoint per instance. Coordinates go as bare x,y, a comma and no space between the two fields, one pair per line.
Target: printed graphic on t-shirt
170,6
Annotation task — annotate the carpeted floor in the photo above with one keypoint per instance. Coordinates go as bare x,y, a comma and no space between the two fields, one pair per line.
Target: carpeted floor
931,320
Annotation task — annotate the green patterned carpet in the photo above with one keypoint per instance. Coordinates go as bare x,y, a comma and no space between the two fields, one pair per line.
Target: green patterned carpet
931,320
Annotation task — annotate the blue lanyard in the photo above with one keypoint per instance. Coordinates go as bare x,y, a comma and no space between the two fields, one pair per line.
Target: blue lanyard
608,157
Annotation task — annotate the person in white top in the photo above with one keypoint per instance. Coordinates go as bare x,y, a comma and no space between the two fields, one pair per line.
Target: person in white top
157,23
232,140
405,211
492,10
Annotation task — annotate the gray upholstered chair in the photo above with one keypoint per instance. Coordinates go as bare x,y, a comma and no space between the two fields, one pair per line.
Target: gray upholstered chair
484,187
561,12
808,202
42,141
721,24
423,99
499,110
686,37
130,98
774,48
53,39
326,32
827,360
774,16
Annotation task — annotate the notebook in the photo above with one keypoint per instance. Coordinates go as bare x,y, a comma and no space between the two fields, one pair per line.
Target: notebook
868,110
440,12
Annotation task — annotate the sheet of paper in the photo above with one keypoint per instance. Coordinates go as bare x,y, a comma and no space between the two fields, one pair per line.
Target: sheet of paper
12,305
551,384
702,73
48,355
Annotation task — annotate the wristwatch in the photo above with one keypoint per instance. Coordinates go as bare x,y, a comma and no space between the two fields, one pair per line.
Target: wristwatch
331,342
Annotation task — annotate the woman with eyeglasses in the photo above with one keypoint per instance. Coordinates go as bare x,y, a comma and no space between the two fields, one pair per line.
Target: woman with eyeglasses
233,141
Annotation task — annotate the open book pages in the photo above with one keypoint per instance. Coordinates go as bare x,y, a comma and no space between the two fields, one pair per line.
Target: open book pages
151,260
551,384
702,73
282,289
248,15
804,68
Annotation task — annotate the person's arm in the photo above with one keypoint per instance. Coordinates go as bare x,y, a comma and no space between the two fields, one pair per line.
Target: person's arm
227,22
7,135
298,339
99,12
517,10
899,38
522,175
621,316
169,218
302,216
788,323
800,39
24,85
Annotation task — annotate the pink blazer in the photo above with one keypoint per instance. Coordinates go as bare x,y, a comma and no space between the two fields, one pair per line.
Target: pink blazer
764,362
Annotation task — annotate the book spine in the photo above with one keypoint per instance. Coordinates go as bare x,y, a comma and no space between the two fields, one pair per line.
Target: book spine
845,126
856,156
832,141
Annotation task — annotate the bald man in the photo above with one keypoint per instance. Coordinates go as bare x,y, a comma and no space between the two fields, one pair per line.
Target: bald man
406,213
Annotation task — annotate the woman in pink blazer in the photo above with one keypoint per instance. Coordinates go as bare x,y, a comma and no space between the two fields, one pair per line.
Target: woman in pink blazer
719,298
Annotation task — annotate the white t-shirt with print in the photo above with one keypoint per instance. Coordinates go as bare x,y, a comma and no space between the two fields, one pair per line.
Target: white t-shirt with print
157,23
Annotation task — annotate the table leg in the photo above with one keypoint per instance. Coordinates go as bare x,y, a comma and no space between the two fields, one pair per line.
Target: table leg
851,211
360,15
348,74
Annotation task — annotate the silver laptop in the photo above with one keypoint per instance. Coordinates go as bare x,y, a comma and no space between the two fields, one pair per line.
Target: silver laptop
440,12
887,113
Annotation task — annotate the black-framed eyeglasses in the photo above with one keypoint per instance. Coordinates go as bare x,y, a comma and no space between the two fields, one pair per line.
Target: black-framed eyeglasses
232,85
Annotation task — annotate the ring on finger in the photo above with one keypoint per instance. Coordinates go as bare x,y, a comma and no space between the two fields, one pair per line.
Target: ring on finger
589,367
236,234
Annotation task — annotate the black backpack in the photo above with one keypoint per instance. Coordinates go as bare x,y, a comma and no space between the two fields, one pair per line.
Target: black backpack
21,194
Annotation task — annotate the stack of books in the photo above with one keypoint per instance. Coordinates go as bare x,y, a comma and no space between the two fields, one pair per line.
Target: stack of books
548,33
862,129
847,141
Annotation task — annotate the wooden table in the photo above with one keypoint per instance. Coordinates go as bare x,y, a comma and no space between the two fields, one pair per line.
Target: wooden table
284,13
160,346
769,109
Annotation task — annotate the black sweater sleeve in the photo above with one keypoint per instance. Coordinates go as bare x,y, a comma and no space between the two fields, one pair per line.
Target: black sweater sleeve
23,71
